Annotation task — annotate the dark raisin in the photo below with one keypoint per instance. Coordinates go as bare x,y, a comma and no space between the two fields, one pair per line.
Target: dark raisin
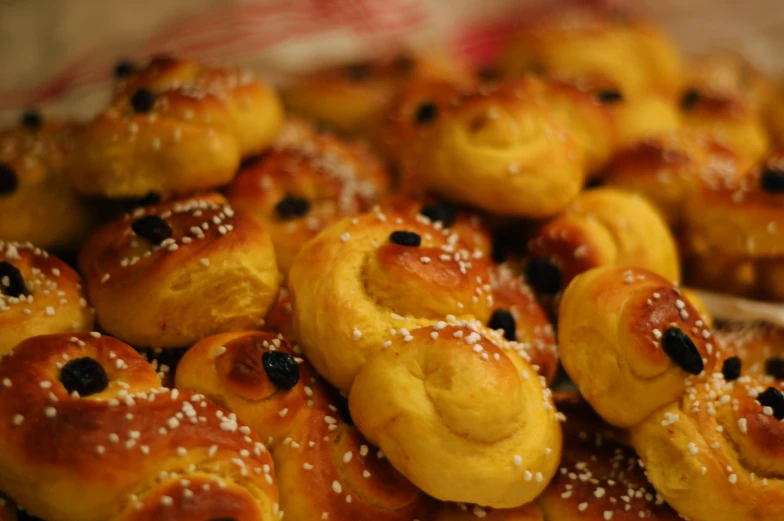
123,69
503,319
358,71
445,213
142,101
9,182
609,96
11,280
772,181
153,228
281,369
731,368
404,238
86,376
681,350
425,113
775,367
690,98
290,207
32,119
543,275
774,399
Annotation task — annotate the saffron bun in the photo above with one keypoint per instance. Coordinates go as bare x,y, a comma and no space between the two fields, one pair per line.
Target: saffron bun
304,183
606,227
39,295
352,98
36,195
723,434
170,274
460,416
631,342
143,451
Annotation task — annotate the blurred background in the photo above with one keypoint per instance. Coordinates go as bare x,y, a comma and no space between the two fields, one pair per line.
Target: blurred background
60,54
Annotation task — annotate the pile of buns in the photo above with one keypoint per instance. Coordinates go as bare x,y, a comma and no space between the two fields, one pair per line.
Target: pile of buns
349,301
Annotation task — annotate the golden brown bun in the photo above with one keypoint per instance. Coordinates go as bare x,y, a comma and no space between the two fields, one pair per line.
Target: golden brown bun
460,415
665,169
229,369
589,43
39,295
600,477
642,117
315,450
126,440
463,512
36,198
717,454
629,339
352,98
467,224
503,150
215,272
607,227
255,109
354,288
305,183
327,468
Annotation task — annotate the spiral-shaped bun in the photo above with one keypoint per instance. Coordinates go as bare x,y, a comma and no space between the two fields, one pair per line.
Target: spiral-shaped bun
39,295
607,227
305,183
590,43
255,109
600,477
463,418
176,128
324,466
170,274
629,339
717,453
665,169
502,149
352,98
142,451
36,197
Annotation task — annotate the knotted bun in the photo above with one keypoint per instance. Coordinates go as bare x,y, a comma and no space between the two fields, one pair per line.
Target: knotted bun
629,339
465,419
607,227
717,453
36,197
39,295
143,452
324,466
307,181
172,273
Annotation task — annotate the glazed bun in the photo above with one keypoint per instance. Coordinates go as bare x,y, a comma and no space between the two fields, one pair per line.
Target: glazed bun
366,279
460,416
600,477
39,295
727,441
605,227
629,340
353,97
307,181
174,128
501,149
142,451
36,197
591,43
259,377
170,274
255,109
